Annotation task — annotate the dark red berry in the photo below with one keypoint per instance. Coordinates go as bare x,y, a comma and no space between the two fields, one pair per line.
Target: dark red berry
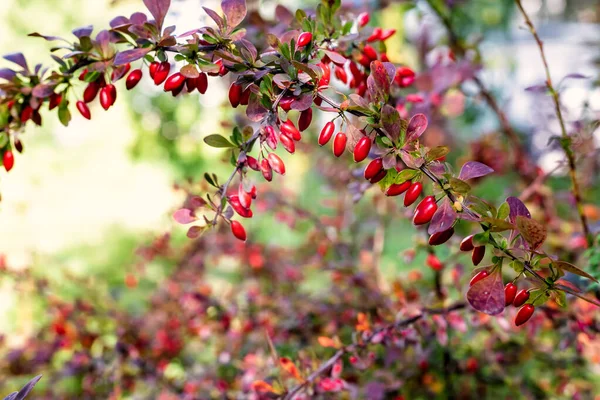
133,79
26,114
290,129
245,99
375,36
370,52
362,149
510,290
373,168
238,230
304,39
202,83
90,92
386,34
235,94
18,145
521,297
287,143
441,237
105,97
524,314
84,109
276,163
266,170
425,210
252,163
380,175
339,143
397,188
174,82
467,244
478,254
326,133
162,71
55,101
413,193
479,276
8,160
190,84
286,103
152,68
340,74
305,119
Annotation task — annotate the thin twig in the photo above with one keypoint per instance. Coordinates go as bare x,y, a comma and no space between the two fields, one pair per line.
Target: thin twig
565,139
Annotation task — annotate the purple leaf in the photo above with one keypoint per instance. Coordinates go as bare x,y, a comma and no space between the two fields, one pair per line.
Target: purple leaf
19,59
83,31
194,231
390,69
27,388
7,73
49,38
215,17
255,111
516,208
235,11
487,295
337,58
119,21
303,102
129,56
158,9
184,216
473,169
537,89
416,127
575,76
391,121
443,218
43,90
138,18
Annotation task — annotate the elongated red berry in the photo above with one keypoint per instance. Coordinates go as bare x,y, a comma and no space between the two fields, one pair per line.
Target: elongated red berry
235,203
404,76
270,136
340,74
524,314
326,133
434,263
370,52
202,83
290,129
83,74
363,19
105,97
287,143
386,34
133,79
479,276
510,290
162,71
397,188
339,144
373,168
441,237
8,160
521,297
235,94
305,119
18,145
245,99
55,101
83,109
277,163
266,169
26,114
425,210
190,84
90,92
244,197
467,244
174,82
252,163
326,77
380,175
478,254
152,68
413,193
304,39
238,230
375,36
362,149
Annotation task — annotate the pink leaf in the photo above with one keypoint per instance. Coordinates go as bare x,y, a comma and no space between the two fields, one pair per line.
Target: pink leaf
158,9
416,127
487,295
443,218
184,216
474,169
235,11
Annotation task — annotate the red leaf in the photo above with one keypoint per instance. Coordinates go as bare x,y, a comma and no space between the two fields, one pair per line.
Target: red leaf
184,216
487,295
416,127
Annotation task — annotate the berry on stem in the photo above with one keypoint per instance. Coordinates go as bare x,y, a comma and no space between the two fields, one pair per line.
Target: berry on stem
441,237
133,79
521,297
396,189
467,244
238,230
235,94
276,163
524,314
479,276
413,193
478,254
290,129
287,143
105,98
202,83
326,133
305,119
339,144
161,73
434,263
8,160
510,290
90,92
362,149
425,210
304,39
373,168
174,82
83,109
363,19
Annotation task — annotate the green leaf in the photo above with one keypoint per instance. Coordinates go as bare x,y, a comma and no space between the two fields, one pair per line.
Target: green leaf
481,239
498,225
517,265
538,297
565,266
459,186
388,179
560,298
218,141
406,175
64,115
209,179
503,211
437,152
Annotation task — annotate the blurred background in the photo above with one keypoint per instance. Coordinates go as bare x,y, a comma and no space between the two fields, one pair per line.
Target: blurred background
85,203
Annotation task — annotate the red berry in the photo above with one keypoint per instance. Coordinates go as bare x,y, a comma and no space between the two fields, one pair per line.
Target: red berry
252,163
362,149
286,103
397,188
434,263
326,77
375,36
162,71
326,133
152,68
238,230
425,210
413,193
133,79
276,163
244,197
521,297
105,97
26,114
287,143
305,119
83,74
84,109
363,19
266,169
235,94
472,365
90,92
18,145
8,159
55,101
373,168
190,84
477,255
202,83
524,314
304,39
510,290
340,74
339,143
386,33
245,99
113,93
441,237
404,76
467,244
384,57
479,276
174,82
370,52
236,204
290,129
380,175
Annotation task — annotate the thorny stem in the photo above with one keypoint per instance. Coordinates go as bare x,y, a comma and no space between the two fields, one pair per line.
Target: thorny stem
324,367
566,140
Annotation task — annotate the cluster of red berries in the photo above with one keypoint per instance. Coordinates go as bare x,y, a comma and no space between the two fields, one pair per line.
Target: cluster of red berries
477,252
